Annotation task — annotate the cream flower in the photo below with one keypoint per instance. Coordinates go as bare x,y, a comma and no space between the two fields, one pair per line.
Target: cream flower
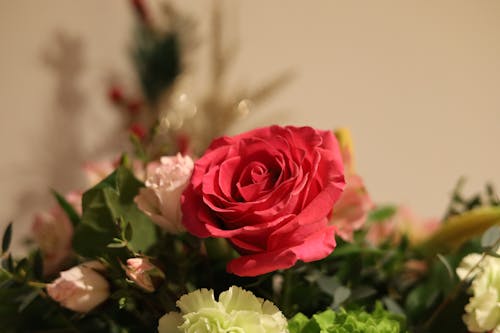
483,310
165,182
237,310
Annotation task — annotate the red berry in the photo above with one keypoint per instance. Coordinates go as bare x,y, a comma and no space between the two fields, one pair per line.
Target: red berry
115,94
134,106
138,130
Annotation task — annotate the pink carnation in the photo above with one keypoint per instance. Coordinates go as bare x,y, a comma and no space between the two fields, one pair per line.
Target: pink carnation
160,199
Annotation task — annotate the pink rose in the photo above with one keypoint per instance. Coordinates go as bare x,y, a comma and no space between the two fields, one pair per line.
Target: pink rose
270,192
160,199
141,271
53,233
80,288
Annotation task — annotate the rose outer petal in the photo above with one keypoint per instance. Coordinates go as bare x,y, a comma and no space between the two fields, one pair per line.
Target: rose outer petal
315,247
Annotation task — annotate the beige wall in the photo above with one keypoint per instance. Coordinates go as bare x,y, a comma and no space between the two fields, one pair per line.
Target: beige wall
416,81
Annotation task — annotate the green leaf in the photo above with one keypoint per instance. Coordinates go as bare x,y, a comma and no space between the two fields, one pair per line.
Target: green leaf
447,265
139,150
116,245
340,295
8,263
38,265
393,306
68,208
25,300
127,234
361,292
157,59
109,201
7,237
328,284
297,323
490,237
381,213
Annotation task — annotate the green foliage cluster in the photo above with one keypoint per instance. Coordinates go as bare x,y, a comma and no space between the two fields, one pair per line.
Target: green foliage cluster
157,59
353,321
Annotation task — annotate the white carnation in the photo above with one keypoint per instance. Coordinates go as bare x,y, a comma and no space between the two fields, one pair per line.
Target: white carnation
483,310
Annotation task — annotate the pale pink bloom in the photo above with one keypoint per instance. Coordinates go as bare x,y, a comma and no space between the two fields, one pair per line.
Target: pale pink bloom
381,231
140,271
351,211
165,182
80,288
416,229
403,222
96,171
53,233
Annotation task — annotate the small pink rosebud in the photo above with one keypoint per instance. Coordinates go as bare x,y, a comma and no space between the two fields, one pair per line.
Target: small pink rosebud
80,288
141,271
53,233
165,182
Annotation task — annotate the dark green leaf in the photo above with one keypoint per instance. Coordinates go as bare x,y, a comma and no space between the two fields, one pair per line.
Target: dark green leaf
26,300
116,245
138,147
109,201
362,292
38,265
328,284
8,263
7,237
22,267
68,208
493,254
128,232
340,295
158,62
447,265
393,306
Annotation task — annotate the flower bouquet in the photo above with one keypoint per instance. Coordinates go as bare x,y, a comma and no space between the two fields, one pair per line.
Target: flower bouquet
270,230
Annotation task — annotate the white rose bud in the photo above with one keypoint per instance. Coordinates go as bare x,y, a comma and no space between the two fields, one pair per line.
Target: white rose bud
80,288
165,182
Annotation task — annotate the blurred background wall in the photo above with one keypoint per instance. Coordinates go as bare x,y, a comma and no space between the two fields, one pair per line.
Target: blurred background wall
417,82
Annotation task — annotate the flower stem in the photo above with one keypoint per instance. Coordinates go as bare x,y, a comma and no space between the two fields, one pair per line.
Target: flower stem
286,300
